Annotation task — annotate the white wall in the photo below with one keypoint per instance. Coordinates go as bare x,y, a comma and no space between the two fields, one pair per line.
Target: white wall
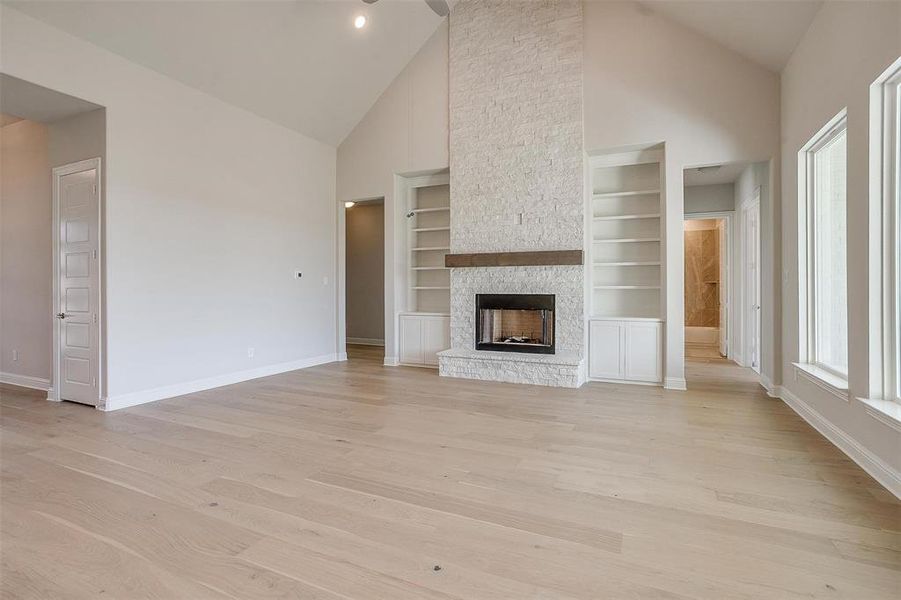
649,80
209,210
25,253
79,137
405,132
709,198
365,275
846,47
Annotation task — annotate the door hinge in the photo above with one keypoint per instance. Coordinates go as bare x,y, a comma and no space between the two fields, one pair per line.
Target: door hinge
94,317
94,254
93,382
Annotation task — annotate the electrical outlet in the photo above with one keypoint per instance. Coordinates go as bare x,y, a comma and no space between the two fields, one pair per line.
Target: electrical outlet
15,356
250,353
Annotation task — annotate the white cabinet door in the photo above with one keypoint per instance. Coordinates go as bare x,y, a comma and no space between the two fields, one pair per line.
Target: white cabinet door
435,338
410,339
643,351
605,349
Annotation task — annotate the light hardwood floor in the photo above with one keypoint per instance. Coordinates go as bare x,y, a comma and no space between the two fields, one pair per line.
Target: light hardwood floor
353,480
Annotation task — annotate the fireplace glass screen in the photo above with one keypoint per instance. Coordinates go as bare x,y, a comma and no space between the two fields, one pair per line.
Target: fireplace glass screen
515,322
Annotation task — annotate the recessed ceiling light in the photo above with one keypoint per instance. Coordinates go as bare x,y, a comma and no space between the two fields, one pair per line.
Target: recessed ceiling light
349,204
359,21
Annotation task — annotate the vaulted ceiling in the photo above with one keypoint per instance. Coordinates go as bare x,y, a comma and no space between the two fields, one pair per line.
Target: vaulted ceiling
300,64
303,64
765,31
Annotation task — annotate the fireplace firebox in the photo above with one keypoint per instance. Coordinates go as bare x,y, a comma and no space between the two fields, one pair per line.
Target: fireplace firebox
515,323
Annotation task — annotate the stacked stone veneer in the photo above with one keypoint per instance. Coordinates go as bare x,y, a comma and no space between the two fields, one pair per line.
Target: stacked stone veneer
516,168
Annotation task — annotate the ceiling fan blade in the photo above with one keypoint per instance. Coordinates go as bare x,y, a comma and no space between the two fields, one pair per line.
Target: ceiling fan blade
370,1
439,6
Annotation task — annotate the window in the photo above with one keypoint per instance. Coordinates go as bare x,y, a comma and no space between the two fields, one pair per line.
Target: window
823,177
886,231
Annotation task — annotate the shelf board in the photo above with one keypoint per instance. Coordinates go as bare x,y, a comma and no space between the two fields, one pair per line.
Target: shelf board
429,249
628,217
648,263
626,193
623,318
416,211
626,287
425,229
429,268
625,240
430,287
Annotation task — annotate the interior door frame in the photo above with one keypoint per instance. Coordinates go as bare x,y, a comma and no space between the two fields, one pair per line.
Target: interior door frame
752,203
54,393
726,257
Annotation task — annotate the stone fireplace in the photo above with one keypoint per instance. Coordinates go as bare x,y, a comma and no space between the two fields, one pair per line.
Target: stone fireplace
516,182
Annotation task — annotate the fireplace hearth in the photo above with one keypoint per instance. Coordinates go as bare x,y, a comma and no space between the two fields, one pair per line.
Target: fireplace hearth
515,323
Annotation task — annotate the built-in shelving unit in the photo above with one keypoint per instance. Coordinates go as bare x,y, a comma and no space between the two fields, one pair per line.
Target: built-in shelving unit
427,219
626,230
625,326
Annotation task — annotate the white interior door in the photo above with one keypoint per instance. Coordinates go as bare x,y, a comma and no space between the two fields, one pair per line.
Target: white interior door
77,202
752,286
723,291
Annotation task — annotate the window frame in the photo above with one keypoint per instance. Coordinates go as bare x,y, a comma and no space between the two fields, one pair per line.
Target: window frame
807,245
885,234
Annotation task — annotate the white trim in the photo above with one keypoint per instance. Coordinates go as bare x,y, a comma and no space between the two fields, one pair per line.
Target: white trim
342,357
623,381
826,380
869,462
771,390
199,385
56,173
886,412
675,383
391,361
25,381
366,341
417,365
884,347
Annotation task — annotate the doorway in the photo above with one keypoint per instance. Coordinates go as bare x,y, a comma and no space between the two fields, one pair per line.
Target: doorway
707,287
365,279
51,311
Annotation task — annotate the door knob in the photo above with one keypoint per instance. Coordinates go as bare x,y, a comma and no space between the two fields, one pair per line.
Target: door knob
60,315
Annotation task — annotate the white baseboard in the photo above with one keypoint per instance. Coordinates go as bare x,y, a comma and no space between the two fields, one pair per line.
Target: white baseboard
675,383
391,361
771,390
342,356
366,341
199,385
869,462
26,381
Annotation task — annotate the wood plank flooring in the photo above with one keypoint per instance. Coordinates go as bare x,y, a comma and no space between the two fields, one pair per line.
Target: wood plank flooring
357,481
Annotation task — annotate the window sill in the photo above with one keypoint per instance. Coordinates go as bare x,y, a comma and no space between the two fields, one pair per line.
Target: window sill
885,411
833,384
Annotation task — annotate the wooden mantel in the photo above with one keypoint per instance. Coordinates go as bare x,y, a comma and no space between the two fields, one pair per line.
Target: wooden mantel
540,258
